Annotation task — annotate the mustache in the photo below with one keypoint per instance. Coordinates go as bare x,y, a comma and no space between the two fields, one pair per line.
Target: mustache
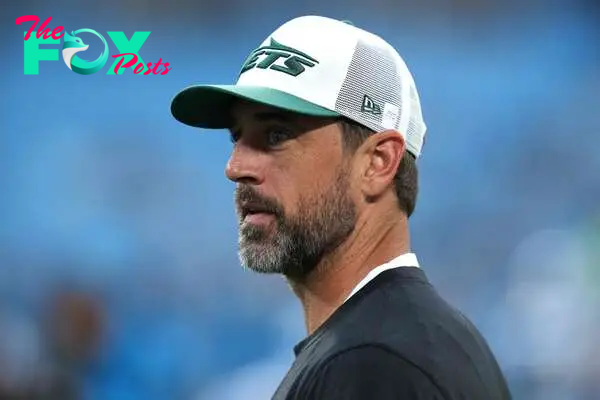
247,197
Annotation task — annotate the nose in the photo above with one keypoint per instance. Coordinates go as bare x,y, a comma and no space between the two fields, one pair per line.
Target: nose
244,165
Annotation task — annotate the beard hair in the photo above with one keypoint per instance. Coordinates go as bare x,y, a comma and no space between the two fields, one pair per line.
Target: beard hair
297,243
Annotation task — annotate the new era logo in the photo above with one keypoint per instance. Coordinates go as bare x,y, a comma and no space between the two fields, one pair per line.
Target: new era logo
369,106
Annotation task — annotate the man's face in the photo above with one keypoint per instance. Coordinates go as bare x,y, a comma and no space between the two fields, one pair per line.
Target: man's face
293,194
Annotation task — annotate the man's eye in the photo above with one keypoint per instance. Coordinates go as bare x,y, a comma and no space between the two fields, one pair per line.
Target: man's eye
276,136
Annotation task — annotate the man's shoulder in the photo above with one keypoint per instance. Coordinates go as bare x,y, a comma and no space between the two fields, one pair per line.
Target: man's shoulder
400,310
400,319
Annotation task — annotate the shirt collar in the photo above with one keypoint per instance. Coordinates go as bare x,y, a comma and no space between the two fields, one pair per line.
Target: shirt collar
403,260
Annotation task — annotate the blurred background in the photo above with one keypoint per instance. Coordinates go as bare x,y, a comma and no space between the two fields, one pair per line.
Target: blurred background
119,276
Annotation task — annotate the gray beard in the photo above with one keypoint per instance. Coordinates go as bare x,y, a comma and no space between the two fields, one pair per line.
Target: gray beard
299,243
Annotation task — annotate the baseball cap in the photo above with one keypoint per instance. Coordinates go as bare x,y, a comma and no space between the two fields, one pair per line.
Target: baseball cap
317,66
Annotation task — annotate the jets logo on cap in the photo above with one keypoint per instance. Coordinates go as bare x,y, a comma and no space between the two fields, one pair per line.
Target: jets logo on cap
369,106
274,55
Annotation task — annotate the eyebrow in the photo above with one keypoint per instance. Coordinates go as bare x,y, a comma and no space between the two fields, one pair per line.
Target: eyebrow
269,116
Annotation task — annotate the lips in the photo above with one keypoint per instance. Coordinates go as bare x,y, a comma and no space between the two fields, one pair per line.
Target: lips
249,208
256,215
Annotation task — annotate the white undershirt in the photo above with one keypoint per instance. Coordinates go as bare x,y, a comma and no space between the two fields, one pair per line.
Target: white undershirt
404,260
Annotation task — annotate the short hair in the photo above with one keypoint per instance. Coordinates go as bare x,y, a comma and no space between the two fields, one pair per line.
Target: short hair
406,178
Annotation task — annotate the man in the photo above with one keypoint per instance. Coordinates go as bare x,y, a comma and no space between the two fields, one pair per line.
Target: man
326,128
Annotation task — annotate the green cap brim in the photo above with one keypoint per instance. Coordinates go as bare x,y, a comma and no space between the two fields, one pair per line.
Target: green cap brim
209,106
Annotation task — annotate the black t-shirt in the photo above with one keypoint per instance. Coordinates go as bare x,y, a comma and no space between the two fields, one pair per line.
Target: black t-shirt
396,338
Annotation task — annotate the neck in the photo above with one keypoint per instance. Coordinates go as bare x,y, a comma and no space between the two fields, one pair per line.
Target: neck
373,242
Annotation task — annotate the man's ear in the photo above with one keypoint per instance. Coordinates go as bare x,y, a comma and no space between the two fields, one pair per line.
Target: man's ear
383,153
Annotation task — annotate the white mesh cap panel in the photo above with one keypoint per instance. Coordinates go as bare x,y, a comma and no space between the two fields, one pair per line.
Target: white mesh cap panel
371,82
415,130
379,93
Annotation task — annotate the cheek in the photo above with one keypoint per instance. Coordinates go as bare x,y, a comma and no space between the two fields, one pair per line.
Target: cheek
306,170
289,187
304,180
